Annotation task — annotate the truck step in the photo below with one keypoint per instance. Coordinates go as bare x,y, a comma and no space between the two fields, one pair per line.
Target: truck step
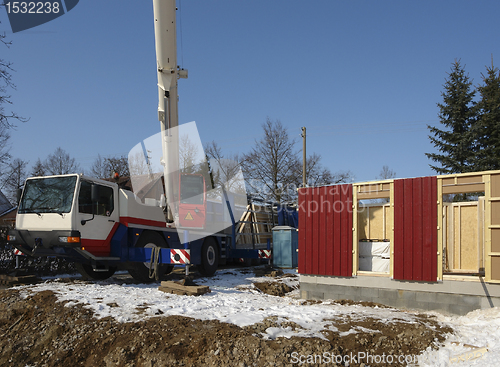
183,290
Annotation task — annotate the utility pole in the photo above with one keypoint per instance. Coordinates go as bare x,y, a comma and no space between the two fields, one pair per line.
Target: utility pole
304,178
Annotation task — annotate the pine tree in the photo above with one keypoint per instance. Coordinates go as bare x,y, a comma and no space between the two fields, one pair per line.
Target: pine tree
457,113
487,128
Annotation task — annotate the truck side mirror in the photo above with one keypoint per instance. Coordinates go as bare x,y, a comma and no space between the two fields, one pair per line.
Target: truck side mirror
94,193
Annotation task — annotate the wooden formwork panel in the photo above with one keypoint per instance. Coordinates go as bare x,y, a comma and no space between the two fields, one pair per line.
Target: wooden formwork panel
363,225
495,186
325,230
495,239
373,190
492,222
464,235
495,268
462,183
375,222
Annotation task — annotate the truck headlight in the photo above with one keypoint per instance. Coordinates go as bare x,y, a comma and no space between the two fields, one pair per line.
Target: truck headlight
11,237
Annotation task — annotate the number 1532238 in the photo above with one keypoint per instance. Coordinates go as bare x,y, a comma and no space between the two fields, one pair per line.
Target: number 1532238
32,7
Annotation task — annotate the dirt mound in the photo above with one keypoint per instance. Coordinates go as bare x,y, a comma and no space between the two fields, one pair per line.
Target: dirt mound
273,288
38,331
276,287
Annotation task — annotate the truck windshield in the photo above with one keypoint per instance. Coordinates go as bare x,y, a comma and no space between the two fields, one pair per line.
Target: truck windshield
48,195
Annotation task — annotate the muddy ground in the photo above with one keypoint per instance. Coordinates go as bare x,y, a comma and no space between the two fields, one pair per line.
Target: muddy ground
38,331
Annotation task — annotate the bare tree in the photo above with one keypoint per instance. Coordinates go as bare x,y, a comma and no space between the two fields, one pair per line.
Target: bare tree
38,169
138,165
6,117
225,171
386,173
14,179
270,168
318,175
60,163
98,169
188,152
106,167
117,165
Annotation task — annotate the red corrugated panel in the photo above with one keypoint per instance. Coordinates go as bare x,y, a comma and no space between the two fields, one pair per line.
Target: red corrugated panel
430,258
337,235
314,225
329,233
325,220
408,229
322,230
398,223
415,229
302,194
346,238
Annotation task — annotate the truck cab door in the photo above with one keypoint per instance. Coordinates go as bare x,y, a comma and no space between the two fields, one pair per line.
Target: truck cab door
97,216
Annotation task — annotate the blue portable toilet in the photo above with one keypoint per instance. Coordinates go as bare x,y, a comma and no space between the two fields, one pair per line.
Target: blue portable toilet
285,246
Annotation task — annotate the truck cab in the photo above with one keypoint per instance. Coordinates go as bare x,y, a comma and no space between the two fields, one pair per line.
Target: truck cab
67,215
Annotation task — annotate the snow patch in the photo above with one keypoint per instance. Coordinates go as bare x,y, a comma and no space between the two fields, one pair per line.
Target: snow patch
234,300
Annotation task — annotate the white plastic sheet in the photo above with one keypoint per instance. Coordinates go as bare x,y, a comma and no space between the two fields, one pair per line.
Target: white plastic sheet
374,256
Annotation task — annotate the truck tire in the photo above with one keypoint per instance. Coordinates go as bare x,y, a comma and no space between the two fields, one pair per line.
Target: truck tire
209,257
88,272
140,271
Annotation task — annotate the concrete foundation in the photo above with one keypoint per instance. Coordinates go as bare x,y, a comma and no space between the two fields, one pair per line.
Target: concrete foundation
453,295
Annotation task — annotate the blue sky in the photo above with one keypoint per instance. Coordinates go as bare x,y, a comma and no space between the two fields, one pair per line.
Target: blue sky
364,77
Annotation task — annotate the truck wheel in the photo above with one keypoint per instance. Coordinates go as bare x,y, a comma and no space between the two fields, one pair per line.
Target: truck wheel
140,271
88,272
209,257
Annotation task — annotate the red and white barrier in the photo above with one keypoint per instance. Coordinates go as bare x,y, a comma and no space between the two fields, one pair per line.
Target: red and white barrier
264,254
180,256
18,253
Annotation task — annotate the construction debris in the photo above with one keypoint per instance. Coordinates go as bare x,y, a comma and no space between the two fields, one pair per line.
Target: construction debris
15,280
184,287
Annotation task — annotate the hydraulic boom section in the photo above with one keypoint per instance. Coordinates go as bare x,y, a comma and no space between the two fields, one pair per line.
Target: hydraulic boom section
168,74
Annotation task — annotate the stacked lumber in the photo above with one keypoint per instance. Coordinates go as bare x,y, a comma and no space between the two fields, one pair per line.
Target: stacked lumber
182,289
15,280
255,220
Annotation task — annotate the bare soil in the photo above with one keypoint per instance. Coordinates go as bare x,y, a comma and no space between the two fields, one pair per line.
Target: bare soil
39,331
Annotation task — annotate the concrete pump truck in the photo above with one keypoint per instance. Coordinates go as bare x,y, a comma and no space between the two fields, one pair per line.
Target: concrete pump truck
102,227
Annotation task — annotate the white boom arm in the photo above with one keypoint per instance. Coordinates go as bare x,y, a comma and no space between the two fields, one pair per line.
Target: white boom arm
168,73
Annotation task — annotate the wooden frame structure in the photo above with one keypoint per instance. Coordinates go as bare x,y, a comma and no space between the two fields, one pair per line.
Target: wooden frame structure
489,183
417,210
